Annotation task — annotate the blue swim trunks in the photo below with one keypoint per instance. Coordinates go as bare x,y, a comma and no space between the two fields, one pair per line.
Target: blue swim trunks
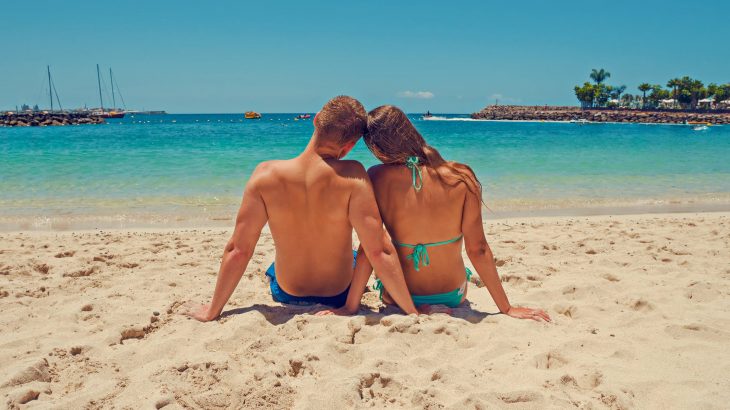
282,297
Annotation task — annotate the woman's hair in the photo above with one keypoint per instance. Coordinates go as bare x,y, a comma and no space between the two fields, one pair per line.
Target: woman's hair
392,138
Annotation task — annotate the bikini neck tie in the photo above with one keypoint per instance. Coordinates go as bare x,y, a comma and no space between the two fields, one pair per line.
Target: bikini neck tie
412,163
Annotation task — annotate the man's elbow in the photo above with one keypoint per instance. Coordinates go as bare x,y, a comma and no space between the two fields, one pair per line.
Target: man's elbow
239,253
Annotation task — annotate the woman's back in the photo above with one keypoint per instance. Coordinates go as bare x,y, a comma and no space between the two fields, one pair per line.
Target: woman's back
430,215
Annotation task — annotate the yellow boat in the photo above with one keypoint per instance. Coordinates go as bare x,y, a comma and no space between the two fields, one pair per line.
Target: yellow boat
252,115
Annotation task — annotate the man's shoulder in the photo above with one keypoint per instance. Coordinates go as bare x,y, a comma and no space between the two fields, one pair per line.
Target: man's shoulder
265,171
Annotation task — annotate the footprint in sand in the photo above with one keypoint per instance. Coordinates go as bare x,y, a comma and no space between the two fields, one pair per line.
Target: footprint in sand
641,305
701,292
82,272
66,254
610,277
377,387
567,310
520,396
550,360
41,268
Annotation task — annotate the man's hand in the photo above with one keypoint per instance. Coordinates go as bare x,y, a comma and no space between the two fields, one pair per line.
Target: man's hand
200,312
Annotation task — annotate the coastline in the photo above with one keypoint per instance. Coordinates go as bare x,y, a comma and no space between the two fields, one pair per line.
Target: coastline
574,114
223,216
624,292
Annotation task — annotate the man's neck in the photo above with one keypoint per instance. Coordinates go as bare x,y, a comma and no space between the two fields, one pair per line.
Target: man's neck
316,150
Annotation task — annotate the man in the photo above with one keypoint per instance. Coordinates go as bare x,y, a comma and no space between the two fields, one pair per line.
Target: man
312,203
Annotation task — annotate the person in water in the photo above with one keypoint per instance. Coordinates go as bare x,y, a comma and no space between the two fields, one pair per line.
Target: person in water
312,203
430,206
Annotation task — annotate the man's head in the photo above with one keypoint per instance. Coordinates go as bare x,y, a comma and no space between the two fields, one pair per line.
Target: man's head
340,123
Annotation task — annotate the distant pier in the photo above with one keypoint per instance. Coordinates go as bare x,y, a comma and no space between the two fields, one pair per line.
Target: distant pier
43,119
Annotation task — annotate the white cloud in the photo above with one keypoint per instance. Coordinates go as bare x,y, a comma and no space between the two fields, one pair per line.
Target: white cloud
421,95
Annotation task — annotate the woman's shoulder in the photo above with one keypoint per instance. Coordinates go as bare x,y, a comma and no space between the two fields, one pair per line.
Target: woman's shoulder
382,170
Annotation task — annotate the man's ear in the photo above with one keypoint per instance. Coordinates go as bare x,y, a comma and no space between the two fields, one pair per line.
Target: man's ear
347,148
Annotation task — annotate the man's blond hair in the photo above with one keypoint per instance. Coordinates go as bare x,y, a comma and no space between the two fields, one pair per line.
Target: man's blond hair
341,120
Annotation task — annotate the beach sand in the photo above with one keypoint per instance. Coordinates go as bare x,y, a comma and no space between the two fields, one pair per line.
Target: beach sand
641,309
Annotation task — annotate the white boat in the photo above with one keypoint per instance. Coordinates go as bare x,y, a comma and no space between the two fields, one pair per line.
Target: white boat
580,121
700,128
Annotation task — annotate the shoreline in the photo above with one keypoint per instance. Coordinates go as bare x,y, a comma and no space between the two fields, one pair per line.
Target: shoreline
502,219
164,222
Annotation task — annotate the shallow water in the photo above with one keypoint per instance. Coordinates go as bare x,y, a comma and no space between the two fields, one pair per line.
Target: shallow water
174,168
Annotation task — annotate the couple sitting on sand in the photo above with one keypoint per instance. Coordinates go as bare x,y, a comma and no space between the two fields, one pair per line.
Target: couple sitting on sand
312,202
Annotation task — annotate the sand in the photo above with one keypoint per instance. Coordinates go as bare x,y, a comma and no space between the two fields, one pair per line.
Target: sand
641,310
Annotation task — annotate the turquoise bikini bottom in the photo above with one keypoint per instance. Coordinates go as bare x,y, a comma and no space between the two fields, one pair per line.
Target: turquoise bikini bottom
450,299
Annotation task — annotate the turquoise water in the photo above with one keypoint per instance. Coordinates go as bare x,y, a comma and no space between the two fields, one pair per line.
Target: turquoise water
194,166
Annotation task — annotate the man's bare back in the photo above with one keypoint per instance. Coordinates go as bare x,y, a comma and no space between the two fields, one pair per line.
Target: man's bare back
306,199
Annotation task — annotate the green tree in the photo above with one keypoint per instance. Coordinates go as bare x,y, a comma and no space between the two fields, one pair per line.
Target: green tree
586,94
719,92
657,94
644,87
599,76
602,94
688,91
627,100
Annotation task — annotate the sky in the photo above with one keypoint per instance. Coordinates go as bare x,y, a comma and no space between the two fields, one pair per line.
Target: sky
284,56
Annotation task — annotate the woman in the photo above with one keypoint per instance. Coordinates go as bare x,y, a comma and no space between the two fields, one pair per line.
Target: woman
429,206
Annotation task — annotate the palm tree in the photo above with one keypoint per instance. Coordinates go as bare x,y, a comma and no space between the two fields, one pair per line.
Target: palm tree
617,91
674,83
644,87
599,75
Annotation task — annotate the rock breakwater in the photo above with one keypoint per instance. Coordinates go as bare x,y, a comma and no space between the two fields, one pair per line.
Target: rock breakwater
48,119
555,113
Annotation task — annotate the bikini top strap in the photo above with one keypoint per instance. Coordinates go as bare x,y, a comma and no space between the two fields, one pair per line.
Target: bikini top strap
419,256
412,163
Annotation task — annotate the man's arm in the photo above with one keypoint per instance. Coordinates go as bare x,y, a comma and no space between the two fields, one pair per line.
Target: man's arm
238,251
365,218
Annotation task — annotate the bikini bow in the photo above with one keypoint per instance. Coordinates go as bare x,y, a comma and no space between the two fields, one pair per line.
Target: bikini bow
419,256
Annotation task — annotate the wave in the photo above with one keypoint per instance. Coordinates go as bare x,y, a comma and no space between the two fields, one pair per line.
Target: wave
437,118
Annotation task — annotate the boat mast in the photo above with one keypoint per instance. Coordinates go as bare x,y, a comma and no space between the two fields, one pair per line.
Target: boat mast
50,87
98,79
111,80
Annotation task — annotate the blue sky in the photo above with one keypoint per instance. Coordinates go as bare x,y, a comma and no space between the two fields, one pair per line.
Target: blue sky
282,56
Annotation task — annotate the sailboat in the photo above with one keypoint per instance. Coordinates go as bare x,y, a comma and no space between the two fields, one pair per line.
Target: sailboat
112,113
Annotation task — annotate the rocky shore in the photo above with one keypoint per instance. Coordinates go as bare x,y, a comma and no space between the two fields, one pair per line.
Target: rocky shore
45,119
553,113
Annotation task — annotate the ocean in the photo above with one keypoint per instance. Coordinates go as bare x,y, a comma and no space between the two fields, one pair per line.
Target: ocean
189,170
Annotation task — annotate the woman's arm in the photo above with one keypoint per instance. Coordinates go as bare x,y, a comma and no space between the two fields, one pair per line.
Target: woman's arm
480,255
